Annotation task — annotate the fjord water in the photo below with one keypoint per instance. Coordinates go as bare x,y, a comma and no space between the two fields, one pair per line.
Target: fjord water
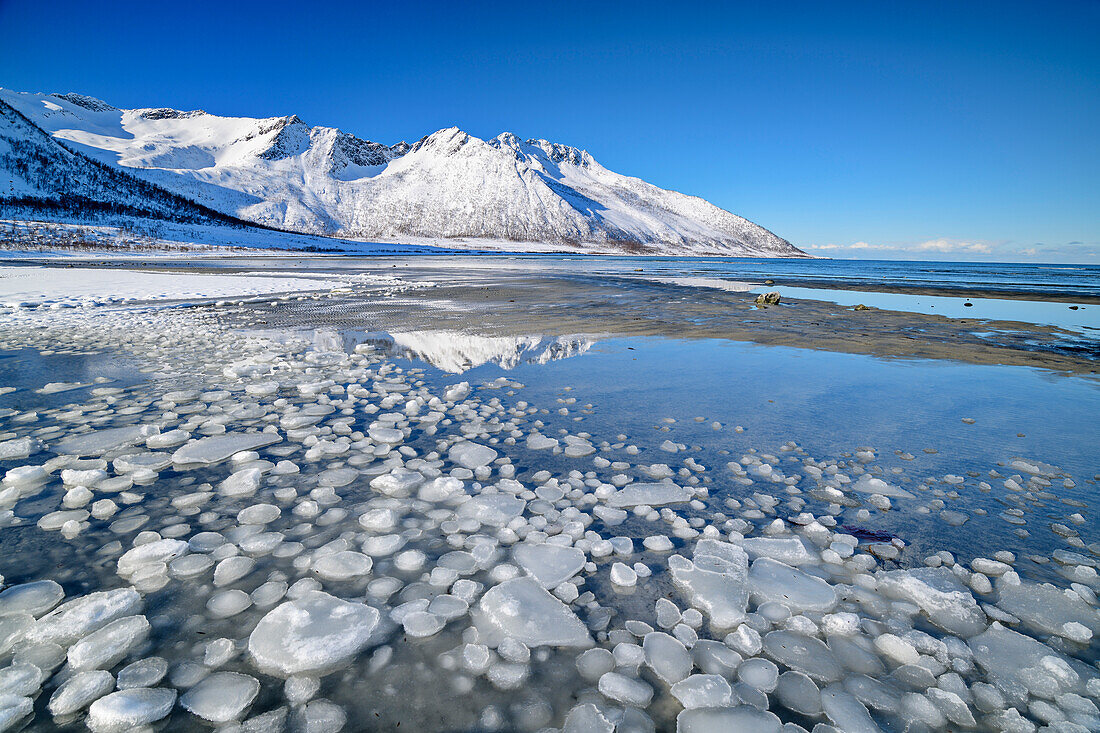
1027,292
1059,280
1063,280
832,405
899,515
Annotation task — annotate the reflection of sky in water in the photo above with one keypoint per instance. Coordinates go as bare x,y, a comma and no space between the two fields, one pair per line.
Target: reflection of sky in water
1028,311
828,403
832,403
28,370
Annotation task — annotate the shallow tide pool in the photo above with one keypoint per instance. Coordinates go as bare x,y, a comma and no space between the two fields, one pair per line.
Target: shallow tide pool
1069,315
319,530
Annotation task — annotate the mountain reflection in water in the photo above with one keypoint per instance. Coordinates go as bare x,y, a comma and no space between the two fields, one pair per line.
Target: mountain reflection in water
456,352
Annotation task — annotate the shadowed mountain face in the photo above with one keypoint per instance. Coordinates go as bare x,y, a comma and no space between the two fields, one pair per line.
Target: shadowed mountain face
502,193
38,173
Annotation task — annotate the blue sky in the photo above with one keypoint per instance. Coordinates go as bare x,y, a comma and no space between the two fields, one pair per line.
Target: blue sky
950,130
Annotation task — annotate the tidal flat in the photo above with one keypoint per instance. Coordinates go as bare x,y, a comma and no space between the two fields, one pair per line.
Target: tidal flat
577,494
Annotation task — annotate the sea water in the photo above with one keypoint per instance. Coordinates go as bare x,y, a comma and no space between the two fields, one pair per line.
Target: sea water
313,530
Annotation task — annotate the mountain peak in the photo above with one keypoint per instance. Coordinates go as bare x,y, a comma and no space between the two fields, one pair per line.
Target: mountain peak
292,137
507,140
559,153
83,100
554,152
348,150
531,194
167,113
447,141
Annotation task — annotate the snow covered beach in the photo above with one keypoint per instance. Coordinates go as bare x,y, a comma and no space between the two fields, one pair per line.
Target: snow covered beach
357,496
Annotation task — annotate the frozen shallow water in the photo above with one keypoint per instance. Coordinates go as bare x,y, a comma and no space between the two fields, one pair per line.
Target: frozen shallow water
300,529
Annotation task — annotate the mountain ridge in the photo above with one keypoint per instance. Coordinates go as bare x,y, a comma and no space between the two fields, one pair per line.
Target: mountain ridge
449,185
56,179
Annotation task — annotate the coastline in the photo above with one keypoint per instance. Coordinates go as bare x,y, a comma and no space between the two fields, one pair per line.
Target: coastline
420,446
510,302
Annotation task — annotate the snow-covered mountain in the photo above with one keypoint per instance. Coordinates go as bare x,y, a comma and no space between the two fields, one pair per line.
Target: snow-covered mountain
450,185
39,173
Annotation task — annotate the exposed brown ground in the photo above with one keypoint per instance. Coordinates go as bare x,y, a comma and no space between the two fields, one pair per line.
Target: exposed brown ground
507,304
508,298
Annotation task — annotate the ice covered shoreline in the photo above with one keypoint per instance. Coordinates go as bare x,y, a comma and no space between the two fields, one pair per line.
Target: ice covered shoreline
33,287
513,297
290,534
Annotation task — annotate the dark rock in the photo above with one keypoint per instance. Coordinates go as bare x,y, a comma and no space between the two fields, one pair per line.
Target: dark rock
771,298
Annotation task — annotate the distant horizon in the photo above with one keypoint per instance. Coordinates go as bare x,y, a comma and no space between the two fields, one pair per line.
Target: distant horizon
939,133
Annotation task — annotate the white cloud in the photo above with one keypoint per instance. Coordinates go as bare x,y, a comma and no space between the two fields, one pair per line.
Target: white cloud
854,246
865,245
945,248
948,245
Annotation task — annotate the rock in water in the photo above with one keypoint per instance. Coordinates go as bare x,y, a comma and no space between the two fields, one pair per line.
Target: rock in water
524,610
771,298
312,634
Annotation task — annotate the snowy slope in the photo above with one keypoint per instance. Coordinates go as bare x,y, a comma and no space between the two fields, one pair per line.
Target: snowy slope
452,185
39,173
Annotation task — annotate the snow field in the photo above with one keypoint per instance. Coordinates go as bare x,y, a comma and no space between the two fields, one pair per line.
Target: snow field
76,287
